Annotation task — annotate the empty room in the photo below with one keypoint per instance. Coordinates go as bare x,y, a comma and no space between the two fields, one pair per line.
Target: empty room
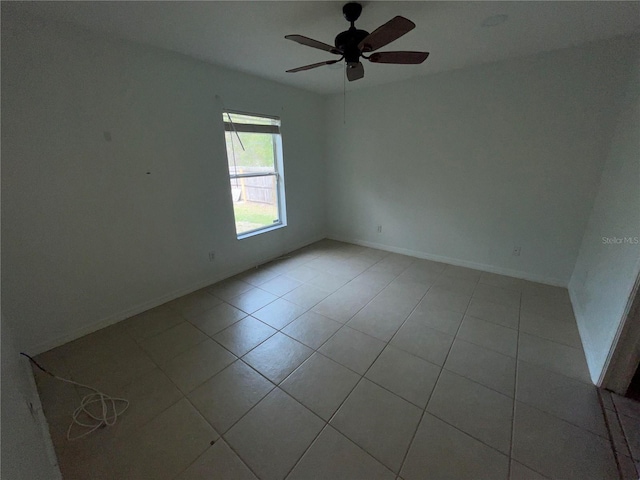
320,240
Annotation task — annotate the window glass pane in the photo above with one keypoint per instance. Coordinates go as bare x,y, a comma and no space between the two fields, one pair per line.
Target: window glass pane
257,157
253,170
255,202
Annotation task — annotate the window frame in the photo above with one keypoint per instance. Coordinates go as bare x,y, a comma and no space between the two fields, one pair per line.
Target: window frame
278,166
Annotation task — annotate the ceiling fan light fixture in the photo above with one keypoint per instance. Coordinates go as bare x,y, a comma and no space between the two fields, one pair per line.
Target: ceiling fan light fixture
495,20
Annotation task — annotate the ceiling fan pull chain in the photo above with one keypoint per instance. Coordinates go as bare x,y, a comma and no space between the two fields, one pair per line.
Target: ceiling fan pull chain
344,95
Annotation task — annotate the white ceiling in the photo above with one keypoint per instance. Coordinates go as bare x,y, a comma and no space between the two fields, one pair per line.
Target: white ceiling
249,35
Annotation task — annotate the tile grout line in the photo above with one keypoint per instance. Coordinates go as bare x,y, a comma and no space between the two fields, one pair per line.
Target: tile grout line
515,392
481,384
476,381
371,336
611,442
327,422
363,377
259,373
435,385
622,429
220,437
310,309
185,396
424,410
209,448
317,351
277,386
618,414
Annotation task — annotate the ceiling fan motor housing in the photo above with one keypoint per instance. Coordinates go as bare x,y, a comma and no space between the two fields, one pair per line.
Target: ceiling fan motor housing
348,41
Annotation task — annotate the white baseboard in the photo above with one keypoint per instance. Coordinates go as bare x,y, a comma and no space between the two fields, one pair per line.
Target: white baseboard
454,261
143,307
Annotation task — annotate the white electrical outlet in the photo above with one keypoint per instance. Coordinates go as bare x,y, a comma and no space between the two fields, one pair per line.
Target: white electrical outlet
516,251
379,228
212,256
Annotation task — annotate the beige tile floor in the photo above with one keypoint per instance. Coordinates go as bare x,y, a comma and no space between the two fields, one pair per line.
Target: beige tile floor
340,362
623,419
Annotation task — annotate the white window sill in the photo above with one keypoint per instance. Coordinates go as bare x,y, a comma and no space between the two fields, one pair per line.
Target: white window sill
253,233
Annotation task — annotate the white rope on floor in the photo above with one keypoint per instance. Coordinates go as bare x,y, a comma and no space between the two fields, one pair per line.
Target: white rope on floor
83,416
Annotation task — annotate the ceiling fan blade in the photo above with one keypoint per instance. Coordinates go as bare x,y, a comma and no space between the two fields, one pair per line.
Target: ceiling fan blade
385,34
310,42
407,58
313,65
355,71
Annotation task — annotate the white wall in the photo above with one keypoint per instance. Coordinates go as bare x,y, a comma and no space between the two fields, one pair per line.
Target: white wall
606,270
87,236
27,452
465,165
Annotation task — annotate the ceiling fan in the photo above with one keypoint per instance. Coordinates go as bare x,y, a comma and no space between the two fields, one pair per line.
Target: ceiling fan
354,43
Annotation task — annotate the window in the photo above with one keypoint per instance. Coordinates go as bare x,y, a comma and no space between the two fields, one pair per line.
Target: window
254,153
